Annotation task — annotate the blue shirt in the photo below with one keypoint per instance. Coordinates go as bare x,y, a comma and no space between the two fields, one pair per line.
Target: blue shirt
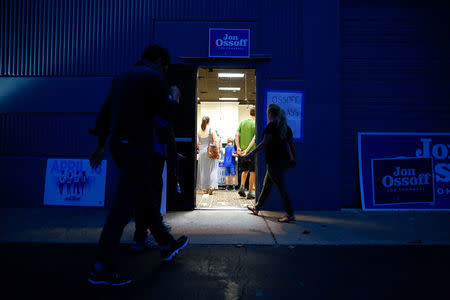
229,160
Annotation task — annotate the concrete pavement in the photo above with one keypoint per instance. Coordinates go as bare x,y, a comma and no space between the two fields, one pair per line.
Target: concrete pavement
222,227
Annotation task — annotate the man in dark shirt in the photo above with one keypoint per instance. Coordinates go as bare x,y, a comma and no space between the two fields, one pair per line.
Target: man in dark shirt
133,114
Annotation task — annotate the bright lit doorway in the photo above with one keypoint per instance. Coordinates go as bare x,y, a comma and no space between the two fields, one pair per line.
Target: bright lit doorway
226,96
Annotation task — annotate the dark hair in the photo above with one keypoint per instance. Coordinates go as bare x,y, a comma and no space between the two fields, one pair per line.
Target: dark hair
205,121
153,52
252,112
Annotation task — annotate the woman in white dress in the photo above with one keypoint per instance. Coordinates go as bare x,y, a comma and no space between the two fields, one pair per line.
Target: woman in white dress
207,167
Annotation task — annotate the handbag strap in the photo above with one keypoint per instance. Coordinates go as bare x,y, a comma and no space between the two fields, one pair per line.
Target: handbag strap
209,139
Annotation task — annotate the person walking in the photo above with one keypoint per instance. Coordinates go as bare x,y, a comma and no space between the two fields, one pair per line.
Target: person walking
245,142
280,155
128,115
162,153
229,162
207,167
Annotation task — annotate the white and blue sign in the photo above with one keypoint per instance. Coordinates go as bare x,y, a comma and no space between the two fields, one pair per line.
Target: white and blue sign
292,104
404,171
229,42
72,182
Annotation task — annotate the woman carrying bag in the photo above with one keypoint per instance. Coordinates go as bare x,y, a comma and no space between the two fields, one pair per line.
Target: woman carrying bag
207,158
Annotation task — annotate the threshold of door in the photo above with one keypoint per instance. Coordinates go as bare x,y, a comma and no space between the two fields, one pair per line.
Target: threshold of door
220,208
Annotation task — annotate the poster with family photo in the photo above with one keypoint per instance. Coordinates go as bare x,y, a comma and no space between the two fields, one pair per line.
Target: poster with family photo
72,182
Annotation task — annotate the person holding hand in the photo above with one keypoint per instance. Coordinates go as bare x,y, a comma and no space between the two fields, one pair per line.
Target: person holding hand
280,155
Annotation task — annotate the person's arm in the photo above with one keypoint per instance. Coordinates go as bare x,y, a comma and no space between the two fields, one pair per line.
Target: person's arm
250,145
198,143
291,148
215,139
261,146
102,130
236,140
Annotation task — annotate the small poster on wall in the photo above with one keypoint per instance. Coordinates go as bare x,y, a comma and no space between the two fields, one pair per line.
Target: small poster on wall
292,103
72,182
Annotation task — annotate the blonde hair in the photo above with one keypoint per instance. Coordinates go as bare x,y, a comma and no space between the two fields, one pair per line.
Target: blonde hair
279,117
230,140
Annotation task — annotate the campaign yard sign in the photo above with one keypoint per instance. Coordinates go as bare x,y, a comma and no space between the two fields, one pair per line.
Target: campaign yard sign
229,43
404,171
292,104
72,182
402,180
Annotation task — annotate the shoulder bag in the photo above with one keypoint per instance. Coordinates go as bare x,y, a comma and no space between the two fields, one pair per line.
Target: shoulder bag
213,151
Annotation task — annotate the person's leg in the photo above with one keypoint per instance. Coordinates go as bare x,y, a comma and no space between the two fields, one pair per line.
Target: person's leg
241,190
244,178
118,217
277,173
141,214
265,191
251,185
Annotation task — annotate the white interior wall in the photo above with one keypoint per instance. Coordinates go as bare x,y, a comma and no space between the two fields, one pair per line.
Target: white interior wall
223,116
244,112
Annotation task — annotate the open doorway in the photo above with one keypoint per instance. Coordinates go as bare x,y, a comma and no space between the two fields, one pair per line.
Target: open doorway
226,97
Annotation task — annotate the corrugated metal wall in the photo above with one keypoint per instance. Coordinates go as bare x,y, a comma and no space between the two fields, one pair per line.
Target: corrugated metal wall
72,48
395,74
94,38
69,37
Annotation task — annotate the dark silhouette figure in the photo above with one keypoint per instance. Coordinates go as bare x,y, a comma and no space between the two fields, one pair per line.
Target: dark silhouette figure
134,113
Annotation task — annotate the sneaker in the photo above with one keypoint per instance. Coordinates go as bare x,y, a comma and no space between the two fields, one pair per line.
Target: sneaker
174,248
251,195
148,243
241,192
107,278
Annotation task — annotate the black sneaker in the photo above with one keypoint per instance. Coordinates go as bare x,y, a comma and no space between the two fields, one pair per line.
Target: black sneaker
107,278
147,244
175,247
241,192
251,195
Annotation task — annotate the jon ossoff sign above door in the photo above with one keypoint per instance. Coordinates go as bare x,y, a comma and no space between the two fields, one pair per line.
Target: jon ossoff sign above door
229,42
408,171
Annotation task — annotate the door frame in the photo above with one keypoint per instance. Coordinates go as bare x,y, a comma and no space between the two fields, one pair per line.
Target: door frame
229,65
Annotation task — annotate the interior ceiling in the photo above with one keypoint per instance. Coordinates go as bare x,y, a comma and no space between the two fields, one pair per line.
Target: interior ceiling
209,83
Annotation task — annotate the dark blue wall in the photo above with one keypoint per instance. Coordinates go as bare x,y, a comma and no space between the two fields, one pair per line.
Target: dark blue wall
364,66
395,74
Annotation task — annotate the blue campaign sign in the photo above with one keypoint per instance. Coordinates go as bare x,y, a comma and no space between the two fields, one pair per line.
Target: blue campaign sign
292,104
72,182
402,181
229,42
409,171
